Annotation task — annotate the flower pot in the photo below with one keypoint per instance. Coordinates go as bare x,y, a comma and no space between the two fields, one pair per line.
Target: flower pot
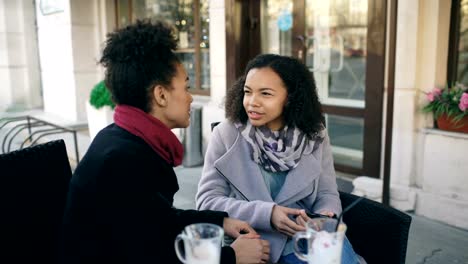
447,123
98,118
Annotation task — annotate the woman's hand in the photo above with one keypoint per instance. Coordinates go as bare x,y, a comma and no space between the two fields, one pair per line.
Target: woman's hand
327,213
234,228
251,249
281,221
302,219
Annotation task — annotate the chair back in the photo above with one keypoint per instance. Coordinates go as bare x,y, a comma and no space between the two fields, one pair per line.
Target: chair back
377,232
33,188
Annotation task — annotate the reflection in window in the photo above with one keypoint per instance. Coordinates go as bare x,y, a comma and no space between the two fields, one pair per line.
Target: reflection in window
335,38
205,44
187,59
177,13
347,139
276,17
462,69
190,19
123,13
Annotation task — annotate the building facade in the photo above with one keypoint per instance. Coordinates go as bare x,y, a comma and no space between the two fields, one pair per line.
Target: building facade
49,52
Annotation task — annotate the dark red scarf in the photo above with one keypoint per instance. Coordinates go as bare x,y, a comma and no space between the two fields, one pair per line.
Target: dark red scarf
154,132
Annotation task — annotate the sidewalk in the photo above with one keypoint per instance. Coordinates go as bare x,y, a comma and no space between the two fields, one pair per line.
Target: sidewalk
429,241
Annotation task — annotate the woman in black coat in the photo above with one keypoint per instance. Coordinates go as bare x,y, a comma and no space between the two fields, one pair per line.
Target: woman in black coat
120,203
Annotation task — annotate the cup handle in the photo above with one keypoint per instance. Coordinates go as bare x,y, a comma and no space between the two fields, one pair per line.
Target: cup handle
298,236
177,241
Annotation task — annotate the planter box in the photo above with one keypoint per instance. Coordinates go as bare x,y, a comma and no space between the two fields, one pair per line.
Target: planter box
445,123
98,118
445,164
444,192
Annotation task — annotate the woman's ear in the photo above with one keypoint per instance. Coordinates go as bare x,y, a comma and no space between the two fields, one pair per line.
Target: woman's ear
160,95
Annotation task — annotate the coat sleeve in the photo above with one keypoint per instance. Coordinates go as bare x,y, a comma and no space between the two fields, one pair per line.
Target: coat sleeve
228,255
214,191
327,191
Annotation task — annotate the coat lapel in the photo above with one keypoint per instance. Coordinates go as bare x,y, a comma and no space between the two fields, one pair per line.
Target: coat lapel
245,175
299,182
242,172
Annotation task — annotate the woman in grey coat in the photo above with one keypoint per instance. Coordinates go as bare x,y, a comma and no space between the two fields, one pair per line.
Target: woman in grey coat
270,164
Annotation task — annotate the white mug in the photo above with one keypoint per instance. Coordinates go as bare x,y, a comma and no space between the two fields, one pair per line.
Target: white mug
202,244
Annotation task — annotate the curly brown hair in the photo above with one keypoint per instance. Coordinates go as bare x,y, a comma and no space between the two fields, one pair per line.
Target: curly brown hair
302,109
138,57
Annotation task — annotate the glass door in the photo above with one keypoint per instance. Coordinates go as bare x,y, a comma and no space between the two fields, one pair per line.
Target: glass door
334,40
331,38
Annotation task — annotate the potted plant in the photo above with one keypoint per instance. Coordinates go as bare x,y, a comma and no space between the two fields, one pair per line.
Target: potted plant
99,109
450,107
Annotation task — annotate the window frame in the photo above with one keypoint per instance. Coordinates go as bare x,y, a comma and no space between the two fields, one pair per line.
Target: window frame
454,40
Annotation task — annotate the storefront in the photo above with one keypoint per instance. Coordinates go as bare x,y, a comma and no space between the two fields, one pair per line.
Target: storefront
343,42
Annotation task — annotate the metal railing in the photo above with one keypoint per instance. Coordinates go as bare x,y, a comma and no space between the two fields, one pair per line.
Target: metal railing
21,123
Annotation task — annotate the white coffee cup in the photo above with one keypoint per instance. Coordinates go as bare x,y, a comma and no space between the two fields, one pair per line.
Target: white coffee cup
202,244
324,244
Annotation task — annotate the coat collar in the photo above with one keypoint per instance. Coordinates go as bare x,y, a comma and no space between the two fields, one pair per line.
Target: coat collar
245,175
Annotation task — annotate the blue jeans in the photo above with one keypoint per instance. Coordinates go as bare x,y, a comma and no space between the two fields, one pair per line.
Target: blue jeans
348,256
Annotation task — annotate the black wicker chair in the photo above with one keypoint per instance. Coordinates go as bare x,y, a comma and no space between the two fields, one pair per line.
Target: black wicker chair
33,188
377,232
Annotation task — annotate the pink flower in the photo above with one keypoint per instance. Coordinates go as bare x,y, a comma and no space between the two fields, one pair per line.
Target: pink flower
430,97
463,105
436,92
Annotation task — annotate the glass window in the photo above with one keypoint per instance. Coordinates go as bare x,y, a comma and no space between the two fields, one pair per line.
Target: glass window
347,136
276,26
335,37
462,56
123,13
205,44
190,19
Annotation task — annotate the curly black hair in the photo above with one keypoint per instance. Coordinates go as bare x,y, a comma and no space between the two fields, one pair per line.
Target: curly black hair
138,57
302,109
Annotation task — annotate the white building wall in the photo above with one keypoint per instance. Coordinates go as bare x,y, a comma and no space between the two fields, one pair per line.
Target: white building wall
405,92
19,72
6,96
213,110
69,44
85,41
444,192
55,49
432,66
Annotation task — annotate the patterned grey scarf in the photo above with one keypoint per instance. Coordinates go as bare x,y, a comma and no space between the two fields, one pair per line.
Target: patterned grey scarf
276,150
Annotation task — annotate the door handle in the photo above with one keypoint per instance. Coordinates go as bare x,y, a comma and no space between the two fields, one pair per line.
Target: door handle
341,47
300,54
300,51
253,22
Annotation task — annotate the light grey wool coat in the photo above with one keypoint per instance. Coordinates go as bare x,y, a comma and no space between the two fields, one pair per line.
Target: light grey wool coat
232,182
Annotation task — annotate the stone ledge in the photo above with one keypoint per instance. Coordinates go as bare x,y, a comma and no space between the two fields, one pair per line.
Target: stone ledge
440,132
401,197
